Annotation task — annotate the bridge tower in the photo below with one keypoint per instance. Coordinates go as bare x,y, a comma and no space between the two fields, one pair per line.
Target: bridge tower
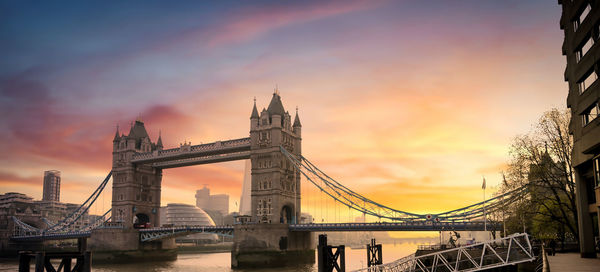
275,194
136,188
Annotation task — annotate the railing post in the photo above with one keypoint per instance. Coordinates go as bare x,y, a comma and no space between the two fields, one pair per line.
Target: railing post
341,255
328,259
66,263
87,262
24,261
39,261
321,252
81,244
374,254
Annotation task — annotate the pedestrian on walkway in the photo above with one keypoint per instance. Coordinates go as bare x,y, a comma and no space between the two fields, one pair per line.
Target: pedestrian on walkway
552,245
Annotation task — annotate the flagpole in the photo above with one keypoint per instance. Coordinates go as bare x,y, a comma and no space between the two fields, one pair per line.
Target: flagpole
484,214
503,207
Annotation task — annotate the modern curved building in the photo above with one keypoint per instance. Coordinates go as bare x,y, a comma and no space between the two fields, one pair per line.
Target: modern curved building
177,214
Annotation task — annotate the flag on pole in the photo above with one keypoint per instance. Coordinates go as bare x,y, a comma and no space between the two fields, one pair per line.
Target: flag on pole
483,185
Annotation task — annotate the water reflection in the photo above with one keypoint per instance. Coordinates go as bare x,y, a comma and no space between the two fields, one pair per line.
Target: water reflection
221,262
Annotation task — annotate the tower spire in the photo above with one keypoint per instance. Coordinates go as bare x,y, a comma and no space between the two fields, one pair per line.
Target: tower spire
254,111
159,141
297,119
116,134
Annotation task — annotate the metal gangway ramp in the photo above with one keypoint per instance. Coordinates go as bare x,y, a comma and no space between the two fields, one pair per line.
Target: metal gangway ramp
505,251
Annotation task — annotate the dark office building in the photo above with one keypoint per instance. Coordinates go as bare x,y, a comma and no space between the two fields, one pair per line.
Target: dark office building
581,22
51,186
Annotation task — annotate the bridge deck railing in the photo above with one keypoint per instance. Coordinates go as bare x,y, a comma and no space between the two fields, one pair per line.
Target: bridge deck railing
505,251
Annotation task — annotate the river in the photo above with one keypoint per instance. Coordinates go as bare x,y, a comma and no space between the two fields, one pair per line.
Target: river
221,262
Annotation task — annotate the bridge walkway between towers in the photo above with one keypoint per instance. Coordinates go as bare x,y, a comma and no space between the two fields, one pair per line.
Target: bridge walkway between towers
186,155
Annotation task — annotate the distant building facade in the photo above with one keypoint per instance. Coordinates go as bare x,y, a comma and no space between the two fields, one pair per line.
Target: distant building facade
215,205
51,186
34,213
580,21
245,198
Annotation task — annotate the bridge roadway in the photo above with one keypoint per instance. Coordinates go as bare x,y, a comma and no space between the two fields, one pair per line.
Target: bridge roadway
389,226
161,233
52,236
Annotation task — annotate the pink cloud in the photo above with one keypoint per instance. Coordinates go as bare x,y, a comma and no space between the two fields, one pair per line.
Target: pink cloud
254,22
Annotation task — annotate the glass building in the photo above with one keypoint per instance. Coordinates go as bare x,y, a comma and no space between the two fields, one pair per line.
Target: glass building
175,214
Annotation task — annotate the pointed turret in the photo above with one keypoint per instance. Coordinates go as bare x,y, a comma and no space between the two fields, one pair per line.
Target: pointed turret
276,107
138,131
159,144
117,137
297,119
254,117
254,114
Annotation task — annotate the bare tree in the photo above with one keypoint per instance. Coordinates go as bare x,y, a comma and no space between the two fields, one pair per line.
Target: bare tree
541,160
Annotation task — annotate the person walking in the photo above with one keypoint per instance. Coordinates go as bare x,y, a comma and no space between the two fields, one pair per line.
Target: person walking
552,245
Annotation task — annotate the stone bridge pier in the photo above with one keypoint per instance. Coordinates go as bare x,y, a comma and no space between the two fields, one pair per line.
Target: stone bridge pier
270,245
123,245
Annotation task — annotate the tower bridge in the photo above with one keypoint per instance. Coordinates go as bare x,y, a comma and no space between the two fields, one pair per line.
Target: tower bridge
274,148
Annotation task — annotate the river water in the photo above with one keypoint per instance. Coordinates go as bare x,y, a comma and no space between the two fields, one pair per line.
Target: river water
221,262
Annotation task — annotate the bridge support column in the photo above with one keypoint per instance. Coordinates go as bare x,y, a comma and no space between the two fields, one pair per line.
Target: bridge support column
374,254
331,258
270,245
123,245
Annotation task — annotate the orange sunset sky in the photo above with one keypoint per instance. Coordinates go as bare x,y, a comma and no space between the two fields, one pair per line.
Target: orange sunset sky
407,102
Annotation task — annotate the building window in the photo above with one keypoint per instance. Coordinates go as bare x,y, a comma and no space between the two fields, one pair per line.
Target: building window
587,81
584,13
584,48
597,170
590,114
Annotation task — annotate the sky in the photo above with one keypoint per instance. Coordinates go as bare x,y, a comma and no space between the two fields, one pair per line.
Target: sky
410,103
